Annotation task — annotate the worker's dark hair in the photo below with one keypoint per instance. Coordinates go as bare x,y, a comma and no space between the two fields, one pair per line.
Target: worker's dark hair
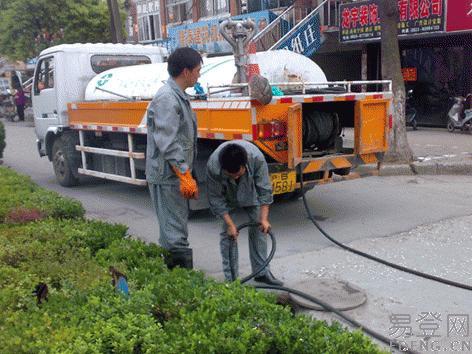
183,58
232,157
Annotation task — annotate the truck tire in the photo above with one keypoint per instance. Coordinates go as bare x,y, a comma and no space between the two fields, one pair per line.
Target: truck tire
342,171
63,151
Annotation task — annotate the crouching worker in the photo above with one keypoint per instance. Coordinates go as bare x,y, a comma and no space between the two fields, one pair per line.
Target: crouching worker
171,150
238,177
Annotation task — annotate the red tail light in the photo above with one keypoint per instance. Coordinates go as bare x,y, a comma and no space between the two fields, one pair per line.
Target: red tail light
273,129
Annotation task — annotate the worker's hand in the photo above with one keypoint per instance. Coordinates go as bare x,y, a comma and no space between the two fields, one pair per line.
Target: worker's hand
265,226
188,186
232,231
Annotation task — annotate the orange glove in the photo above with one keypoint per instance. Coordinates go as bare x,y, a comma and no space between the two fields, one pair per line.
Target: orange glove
188,186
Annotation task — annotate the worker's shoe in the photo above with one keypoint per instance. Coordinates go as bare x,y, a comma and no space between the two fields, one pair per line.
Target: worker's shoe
268,278
181,257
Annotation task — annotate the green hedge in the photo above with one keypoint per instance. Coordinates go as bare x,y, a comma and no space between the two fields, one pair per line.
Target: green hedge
168,312
2,139
177,311
22,200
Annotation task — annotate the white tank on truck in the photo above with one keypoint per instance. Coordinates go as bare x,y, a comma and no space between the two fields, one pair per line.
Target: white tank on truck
143,81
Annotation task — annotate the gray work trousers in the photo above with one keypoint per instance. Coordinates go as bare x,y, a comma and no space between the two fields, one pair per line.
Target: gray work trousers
172,213
257,245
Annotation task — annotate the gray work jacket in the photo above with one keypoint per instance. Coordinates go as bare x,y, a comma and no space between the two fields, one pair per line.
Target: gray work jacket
254,187
172,134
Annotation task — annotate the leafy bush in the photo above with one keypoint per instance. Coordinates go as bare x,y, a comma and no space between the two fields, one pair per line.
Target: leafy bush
21,200
176,311
2,139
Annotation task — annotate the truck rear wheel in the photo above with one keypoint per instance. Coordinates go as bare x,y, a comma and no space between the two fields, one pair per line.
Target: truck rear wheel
62,151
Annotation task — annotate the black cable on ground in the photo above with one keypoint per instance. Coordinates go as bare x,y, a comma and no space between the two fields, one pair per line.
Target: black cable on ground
308,297
373,258
264,264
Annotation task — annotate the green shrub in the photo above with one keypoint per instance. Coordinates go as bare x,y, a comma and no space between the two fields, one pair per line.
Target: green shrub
176,311
21,200
3,144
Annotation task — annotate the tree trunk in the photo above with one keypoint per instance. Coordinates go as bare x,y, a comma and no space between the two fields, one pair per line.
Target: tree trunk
398,149
115,21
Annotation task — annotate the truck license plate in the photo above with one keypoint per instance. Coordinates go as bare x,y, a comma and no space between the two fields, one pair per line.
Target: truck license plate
283,182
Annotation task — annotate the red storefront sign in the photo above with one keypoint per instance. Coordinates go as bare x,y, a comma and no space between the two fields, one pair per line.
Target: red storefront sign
409,74
360,20
459,15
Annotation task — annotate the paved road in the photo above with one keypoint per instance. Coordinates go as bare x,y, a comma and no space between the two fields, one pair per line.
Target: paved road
397,217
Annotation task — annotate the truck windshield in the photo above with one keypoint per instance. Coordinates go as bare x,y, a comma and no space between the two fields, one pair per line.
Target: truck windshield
102,62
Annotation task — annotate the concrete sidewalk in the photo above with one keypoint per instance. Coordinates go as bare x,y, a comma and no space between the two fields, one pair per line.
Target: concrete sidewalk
436,152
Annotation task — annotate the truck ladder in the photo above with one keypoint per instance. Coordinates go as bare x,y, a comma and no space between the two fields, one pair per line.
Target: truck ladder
130,154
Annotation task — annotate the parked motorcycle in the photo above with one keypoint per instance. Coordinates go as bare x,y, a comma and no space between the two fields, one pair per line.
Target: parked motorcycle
459,118
7,107
410,111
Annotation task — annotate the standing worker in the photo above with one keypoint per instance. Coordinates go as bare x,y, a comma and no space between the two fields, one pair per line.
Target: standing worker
238,177
171,151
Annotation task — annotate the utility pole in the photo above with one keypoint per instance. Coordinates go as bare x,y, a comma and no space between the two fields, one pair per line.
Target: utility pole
115,22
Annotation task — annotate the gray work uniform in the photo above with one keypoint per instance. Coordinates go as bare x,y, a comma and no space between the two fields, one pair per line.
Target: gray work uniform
249,192
171,141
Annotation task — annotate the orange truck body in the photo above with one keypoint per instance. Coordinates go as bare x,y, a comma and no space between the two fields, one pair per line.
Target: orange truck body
223,119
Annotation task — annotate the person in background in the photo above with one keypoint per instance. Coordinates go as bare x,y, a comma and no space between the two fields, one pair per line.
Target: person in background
20,100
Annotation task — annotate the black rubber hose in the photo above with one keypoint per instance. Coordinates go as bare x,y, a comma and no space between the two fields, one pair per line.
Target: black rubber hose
308,297
371,257
264,264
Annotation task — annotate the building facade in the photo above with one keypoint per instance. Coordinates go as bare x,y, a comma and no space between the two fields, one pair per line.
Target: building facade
193,22
435,39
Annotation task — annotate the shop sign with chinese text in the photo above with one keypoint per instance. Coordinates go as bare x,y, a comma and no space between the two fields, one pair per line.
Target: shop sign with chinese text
205,35
409,74
306,40
459,15
361,20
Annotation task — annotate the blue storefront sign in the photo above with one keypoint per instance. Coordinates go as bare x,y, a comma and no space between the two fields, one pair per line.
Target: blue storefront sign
204,36
306,40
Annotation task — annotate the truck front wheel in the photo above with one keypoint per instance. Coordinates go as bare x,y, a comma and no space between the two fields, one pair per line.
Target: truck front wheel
62,150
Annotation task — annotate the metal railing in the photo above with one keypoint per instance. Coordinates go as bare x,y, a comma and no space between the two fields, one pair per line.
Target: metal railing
292,18
330,14
130,154
295,28
275,30
28,83
332,87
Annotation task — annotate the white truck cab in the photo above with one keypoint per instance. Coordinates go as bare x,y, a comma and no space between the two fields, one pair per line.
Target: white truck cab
62,74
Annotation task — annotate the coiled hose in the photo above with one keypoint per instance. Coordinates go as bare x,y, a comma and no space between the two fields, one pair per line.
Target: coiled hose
308,297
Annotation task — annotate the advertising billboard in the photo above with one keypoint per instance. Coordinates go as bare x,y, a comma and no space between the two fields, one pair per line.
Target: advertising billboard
459,15
205,35
361,20
306,40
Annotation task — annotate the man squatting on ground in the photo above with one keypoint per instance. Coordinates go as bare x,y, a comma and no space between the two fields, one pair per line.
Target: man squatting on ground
171,151
238,177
